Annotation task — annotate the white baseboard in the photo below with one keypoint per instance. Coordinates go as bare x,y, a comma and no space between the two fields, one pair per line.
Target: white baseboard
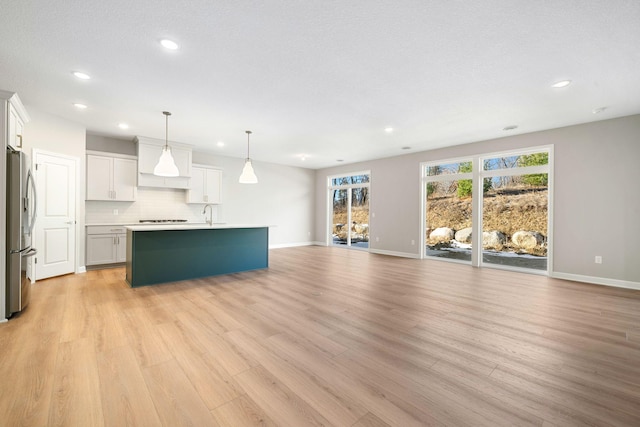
373,251
597,280
394,253
290,245
82,269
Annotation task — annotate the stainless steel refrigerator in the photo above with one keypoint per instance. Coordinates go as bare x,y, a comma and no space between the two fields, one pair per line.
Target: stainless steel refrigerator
21,216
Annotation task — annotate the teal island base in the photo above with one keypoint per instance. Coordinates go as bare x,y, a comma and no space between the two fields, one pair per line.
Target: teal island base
160,255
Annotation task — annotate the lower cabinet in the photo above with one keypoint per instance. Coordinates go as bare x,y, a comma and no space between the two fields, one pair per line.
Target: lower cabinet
106,245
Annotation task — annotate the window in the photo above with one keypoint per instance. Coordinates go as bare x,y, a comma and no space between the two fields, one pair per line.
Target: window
515,212
448,218
349,210
506,195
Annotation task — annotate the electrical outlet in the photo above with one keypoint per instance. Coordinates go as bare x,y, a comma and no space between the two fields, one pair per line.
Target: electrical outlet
115,211
598,259
413,242
377,239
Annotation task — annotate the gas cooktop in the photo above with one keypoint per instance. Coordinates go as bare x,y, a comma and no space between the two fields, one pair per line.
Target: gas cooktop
161,221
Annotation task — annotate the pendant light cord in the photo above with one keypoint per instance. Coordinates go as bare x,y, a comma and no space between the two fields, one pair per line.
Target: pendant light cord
248,133
166,141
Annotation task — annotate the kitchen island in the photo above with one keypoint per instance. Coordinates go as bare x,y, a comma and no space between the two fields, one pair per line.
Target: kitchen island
168,253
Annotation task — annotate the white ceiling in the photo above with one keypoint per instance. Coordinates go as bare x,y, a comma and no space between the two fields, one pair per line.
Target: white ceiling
323,78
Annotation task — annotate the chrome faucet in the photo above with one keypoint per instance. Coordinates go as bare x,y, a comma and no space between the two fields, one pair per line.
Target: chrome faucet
204,212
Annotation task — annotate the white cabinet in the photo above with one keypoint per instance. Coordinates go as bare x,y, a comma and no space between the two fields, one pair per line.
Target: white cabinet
16,128
206,185
111,178
13,117
106,244
149,151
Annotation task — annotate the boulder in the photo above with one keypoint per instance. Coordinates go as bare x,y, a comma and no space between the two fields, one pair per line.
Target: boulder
360,228
527,239
441,234
464,235
493,240
358,232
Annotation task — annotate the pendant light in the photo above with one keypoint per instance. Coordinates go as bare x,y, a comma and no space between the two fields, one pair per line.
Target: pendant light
248,175
166,165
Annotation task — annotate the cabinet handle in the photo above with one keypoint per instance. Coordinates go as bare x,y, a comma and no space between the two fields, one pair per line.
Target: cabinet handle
20,144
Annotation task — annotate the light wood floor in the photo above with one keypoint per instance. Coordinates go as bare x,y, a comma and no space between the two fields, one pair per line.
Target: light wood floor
325,336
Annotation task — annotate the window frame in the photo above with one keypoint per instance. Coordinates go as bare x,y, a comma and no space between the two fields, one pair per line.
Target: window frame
424,179
329,211
477,176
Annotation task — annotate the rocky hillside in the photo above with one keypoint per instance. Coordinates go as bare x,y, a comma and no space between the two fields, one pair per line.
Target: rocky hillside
507,212
359,214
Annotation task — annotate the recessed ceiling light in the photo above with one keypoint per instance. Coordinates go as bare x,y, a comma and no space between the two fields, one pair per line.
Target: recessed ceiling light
81,75
220,144
599,110
512,127
123,126
406,148
169,44
388,129
561,83
339,160
80,106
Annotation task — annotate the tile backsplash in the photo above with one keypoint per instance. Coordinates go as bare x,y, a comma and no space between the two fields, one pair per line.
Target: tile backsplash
151,203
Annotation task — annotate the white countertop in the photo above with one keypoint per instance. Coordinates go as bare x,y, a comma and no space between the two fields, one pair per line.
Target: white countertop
162,227
111,224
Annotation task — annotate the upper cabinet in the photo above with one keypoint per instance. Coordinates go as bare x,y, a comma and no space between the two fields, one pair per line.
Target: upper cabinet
14,117
149,151
16,128
206,183
111,177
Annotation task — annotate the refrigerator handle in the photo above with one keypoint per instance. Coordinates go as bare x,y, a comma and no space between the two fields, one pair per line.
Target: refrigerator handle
31,252
35,199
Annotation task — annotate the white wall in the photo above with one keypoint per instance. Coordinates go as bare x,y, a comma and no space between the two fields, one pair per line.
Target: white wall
284,197
596,198
57,135
112,145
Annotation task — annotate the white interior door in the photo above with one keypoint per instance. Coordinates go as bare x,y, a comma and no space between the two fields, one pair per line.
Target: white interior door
55,229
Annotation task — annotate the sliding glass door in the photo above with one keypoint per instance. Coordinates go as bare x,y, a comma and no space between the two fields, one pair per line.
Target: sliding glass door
515,213
504,195
349,214
448,219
